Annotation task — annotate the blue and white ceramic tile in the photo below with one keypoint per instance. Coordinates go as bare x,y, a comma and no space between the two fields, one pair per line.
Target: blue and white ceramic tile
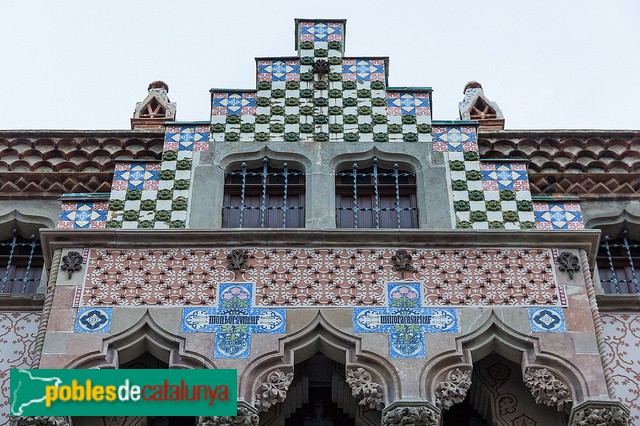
233,321
547,320
93,320
405,320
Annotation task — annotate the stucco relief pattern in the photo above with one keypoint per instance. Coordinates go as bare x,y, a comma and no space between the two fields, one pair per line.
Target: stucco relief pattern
622,357
320,277
17,338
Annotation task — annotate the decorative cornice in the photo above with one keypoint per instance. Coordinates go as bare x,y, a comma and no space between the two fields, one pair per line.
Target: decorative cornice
454,389
547,389
618,302
273,390
365,389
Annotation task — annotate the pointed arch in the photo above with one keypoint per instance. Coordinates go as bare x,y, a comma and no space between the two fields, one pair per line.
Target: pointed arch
319,335
145,335
495,336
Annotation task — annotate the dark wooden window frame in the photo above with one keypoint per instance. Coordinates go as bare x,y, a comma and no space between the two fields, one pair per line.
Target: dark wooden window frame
21,265
376,198
264,197
617,262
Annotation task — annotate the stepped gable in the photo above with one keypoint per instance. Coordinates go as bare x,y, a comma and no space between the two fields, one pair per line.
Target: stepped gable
49,163
593,164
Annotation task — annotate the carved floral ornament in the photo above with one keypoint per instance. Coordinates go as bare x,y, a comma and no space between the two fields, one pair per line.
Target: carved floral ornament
365,389
609,416
237,260
411,416
273,390
547,389
402,262
244,418
39,421
569,263
454,389
71,262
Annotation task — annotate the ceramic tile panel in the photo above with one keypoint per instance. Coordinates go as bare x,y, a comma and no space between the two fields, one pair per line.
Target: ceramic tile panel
234,320
405,320
18,332
363,70
558,215
83,214
186,138
157,277
278,70
320,31
455,139
93,320
499,176
547,320
621,358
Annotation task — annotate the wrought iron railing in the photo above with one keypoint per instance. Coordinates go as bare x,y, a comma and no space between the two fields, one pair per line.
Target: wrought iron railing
21,265
616,265
271,189
393,187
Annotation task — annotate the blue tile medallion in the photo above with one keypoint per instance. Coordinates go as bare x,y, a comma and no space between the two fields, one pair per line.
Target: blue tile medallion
93,320
547,320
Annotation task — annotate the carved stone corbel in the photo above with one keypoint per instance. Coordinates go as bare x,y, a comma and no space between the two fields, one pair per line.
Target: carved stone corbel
273,390
414,413
71,262
237,260
547,389
39,421
365,389
598,413
454,389
246,417
568,262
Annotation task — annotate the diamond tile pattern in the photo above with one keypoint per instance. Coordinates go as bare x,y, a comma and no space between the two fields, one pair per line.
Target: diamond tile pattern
321,31
455,139
558,215
499,176
83,214
277,70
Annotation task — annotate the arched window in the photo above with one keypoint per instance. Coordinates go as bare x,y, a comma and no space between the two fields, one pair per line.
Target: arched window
375,197
264,197
617,261
21,265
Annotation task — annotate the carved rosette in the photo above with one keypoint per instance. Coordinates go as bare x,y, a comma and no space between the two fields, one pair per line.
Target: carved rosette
39,421
411,416
454,389
273,390
245,417
609,416
546,388
365,389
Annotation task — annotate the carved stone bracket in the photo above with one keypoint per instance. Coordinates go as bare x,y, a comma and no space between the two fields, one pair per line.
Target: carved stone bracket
547,389
71,262
454,389
599,413
414,413
402,262
246,417
320,67
365,389
39,421
568,263
237,260
273,390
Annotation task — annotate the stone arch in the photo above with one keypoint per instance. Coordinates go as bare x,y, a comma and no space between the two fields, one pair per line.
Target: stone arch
255,157
145,335
24,224
495,336
319,335
385,159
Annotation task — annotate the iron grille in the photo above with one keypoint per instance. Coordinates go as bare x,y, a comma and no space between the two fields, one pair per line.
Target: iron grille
376,198
264,198
616,265
22,264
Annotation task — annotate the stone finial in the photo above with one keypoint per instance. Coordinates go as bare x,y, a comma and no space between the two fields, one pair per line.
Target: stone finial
454,389
476,106
273,390
245,417
155,109
546,388
365,389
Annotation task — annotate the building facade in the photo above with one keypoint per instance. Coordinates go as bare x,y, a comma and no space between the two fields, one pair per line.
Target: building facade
357,261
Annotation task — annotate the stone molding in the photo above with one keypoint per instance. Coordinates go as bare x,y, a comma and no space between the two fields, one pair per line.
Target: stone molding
547,389
46,310
246,417
273,390
411,413
599,413
363,387
39,421
454,389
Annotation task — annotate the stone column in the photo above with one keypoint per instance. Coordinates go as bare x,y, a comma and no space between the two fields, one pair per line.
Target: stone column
247,416
414,413
40,421
599,412
320,206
